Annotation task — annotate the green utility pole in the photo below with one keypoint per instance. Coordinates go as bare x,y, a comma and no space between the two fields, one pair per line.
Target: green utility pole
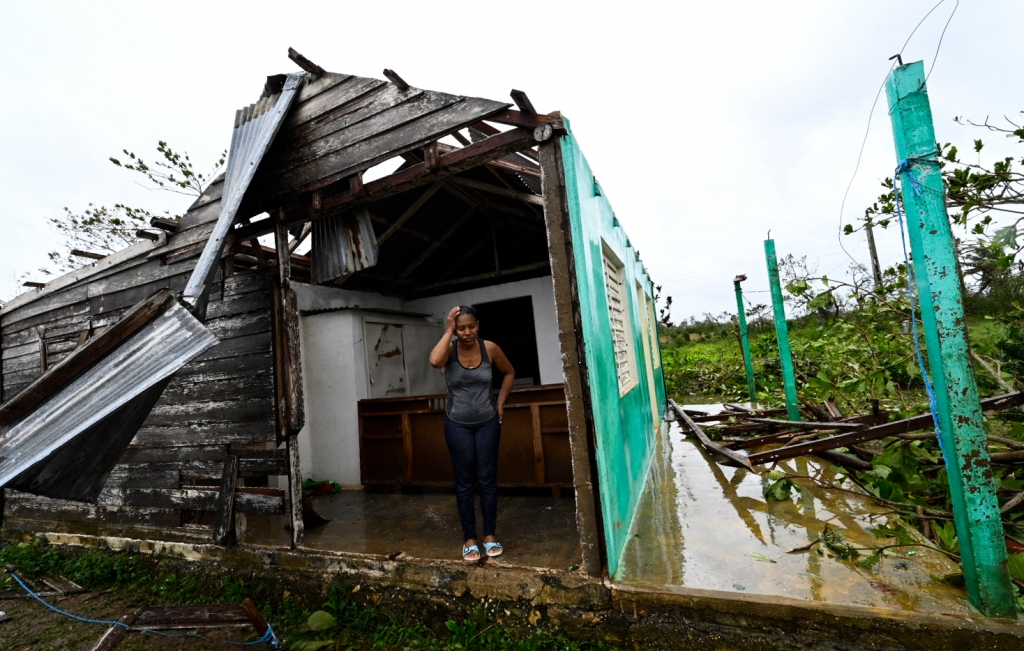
975,508
782,331
744,340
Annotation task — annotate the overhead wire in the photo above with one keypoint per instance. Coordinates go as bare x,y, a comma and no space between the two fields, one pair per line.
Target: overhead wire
871,113
941,36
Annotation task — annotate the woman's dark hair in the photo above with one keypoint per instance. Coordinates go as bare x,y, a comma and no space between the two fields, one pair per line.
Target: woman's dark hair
466,310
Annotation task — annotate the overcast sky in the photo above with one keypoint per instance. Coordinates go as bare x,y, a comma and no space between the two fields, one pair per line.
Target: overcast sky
706,123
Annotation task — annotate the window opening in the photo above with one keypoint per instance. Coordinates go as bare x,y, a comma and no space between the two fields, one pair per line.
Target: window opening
619,317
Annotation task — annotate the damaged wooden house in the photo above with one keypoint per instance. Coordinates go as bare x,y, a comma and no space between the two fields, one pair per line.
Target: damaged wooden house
182,389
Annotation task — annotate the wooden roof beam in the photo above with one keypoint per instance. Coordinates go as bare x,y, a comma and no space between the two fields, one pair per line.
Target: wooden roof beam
470,197
409,212
433,247
396,80
401,229
523,102
468,254
502,163
78,253
306,64
479,153
494,189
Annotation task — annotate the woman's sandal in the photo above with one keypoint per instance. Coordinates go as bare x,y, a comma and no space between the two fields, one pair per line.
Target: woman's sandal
466,551
489,546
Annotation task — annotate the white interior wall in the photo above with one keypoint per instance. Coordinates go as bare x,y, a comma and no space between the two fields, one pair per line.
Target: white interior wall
334,380
545,321
334,360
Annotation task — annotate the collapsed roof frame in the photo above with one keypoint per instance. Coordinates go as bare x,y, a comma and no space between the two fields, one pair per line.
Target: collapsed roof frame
428,162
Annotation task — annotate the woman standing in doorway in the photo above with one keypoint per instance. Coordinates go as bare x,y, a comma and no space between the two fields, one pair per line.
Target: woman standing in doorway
472,424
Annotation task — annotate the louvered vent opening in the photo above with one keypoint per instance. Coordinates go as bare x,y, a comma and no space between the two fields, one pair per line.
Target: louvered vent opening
619,318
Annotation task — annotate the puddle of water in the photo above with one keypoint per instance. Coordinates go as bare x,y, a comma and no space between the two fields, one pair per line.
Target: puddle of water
703,525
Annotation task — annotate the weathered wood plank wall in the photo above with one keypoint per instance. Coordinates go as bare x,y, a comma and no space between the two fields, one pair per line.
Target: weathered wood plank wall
223,398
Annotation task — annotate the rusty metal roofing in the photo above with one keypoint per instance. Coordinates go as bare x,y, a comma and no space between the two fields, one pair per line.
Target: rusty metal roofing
342,245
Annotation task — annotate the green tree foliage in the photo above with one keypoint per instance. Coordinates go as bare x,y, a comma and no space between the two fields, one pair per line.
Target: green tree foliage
103,229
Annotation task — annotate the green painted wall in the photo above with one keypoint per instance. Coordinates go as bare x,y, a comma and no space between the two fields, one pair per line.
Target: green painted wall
626,426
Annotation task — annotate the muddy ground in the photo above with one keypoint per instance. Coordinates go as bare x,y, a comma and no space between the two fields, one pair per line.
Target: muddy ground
34,627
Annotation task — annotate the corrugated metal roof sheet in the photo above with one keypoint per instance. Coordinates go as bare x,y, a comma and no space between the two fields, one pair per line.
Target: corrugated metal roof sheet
95,400
255,128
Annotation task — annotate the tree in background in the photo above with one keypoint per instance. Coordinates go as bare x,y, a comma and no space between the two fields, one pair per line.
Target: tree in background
104,230
977,194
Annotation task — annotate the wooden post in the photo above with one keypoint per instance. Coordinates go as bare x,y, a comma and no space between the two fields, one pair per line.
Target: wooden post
563,272
876,269
782,332
288,394
748,363
224,526
975,508
295,491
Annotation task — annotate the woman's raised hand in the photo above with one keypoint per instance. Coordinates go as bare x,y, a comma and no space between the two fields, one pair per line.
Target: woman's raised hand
452,315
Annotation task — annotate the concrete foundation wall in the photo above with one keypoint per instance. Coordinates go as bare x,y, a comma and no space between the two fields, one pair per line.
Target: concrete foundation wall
525,600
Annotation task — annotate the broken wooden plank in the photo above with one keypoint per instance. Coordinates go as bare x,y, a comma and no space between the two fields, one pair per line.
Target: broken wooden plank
172,617
202,498
115,634
223,529
295,492
874,433
61,584
255,617
810,424
738,457
93,350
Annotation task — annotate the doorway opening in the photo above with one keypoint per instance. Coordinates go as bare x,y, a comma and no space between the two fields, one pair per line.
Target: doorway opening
509,324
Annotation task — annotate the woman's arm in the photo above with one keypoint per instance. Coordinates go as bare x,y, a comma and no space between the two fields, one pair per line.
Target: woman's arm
501,362
439,356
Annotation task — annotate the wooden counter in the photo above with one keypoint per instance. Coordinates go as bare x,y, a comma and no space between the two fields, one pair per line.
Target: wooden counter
401,441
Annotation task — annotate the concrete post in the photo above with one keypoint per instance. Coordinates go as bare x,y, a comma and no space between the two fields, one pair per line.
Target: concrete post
975,508
782,332
741,312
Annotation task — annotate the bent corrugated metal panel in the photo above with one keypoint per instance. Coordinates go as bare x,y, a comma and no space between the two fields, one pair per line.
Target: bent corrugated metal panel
255,128
342,245
62,435
138,365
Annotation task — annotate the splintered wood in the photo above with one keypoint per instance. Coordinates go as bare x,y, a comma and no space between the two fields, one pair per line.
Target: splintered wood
800,438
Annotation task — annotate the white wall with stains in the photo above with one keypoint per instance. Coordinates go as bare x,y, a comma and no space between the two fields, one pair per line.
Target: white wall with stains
545,322
340,366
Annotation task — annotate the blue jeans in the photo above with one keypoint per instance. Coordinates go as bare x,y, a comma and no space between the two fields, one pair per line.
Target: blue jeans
474,452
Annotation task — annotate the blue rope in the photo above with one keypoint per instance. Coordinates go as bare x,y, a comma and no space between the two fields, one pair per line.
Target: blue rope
904,168
268,638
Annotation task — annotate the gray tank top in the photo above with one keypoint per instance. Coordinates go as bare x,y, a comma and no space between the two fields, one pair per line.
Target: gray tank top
470,398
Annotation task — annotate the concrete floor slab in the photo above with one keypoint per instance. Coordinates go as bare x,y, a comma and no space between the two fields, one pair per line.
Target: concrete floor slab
706,526
535,531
